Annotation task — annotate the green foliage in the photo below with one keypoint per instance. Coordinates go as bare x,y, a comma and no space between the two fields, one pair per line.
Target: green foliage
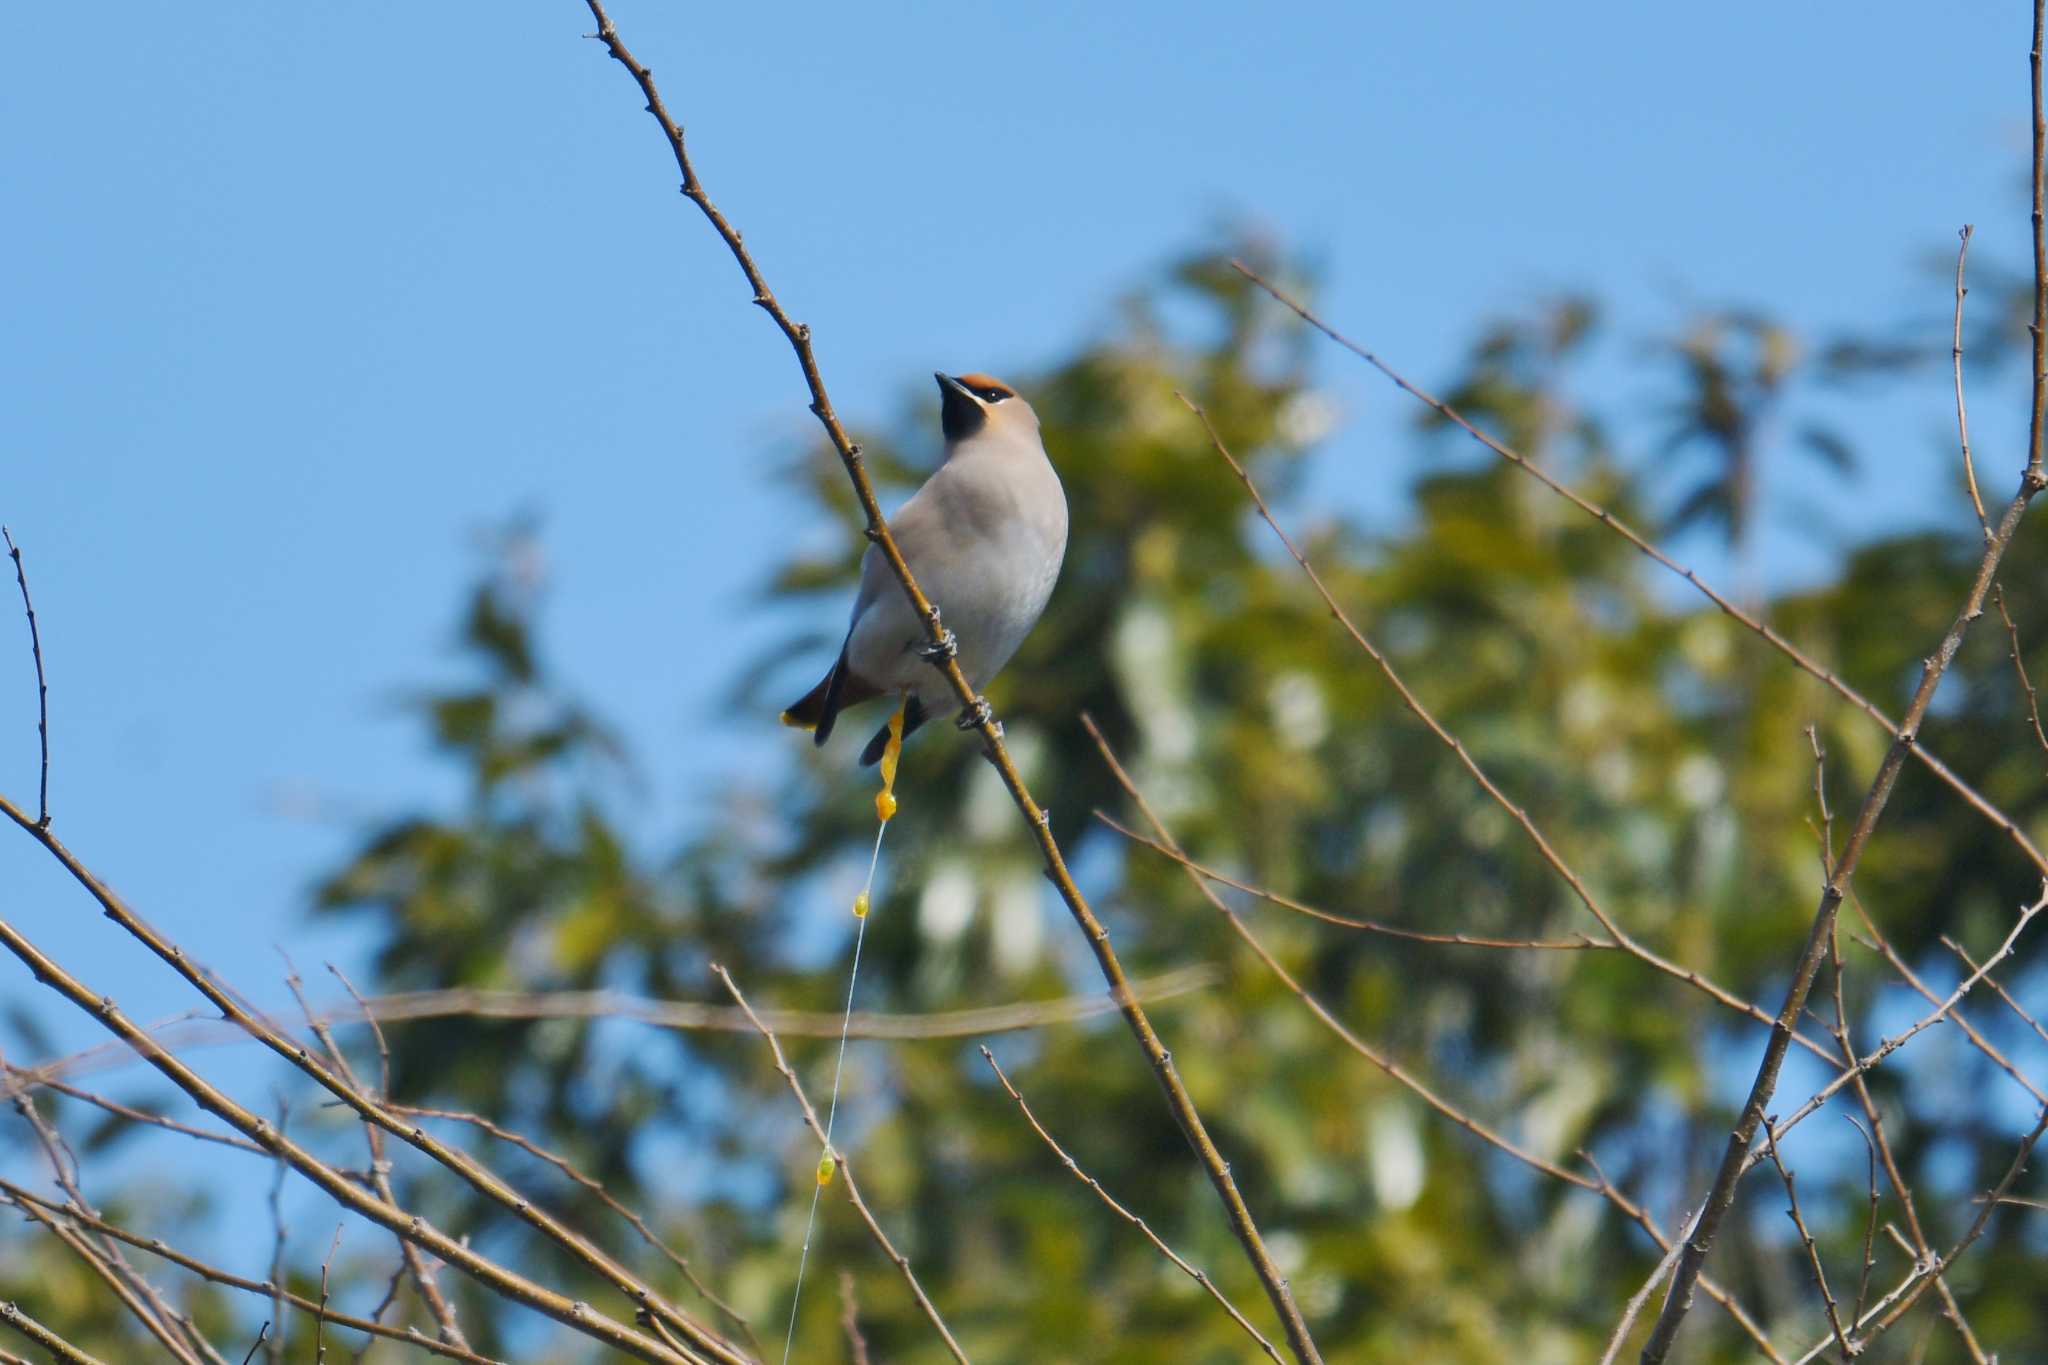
1657,742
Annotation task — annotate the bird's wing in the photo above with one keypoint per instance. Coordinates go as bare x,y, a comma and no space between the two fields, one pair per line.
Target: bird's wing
919,527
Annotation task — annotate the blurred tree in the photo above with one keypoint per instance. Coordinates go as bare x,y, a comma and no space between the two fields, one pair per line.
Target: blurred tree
1657,743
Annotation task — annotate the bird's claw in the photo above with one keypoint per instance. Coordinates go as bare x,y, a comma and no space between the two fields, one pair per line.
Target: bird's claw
947,647
978,716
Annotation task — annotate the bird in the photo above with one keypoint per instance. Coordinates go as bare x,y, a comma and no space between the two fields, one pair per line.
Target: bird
985,537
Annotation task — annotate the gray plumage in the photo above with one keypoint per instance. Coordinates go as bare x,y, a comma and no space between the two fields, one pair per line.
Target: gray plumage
985,537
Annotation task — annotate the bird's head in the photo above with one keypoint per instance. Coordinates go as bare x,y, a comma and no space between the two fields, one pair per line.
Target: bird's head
970,404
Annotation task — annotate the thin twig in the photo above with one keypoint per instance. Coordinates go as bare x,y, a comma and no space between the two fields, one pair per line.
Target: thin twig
1870,1227
1634,1308
841,1168
1963,412
943,646
35,646
1912,978
414,1259
1976,801
1877,1147
274,1351
33,1078
849,1321
2036,417
1577,943
2028,1019
1198,1276
2019,665
1820,1276
320,1316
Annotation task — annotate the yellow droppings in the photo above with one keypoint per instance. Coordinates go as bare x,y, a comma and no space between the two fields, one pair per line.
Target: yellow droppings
825,1169
892,752
860,906
793,723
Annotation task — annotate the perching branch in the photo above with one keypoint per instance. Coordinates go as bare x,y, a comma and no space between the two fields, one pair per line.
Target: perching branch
942,658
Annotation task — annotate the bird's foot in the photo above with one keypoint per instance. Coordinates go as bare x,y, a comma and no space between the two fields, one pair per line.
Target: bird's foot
980,716
947,647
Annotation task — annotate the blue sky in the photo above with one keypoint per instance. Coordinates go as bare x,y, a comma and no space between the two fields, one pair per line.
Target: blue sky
302,297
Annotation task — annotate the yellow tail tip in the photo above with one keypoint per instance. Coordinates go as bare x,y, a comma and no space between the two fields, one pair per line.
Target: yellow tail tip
793,723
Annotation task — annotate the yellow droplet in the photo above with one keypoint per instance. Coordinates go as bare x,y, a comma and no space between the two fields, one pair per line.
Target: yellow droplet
825,1169
892,752
860,906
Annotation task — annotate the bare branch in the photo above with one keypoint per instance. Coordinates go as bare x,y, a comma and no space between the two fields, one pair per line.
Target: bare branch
35,645
2028,1019
12,1316
1962,412
849,1321
1820,1276
1578,943
2012,634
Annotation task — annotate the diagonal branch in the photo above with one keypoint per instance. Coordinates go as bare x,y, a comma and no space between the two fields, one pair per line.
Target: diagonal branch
1577,943
983,720
59,1349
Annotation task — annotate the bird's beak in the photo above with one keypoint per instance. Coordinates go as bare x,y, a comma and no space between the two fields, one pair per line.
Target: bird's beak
961,414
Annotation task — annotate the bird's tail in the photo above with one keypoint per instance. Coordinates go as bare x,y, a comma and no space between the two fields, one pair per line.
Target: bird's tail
819,708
